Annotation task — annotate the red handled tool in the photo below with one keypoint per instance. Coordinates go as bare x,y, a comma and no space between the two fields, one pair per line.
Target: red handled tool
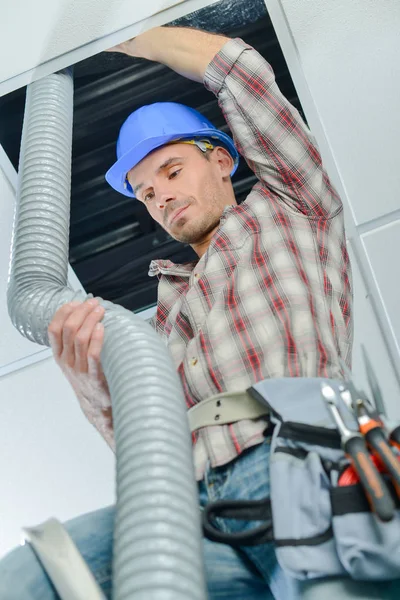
371,427
377,441
392,429
356,451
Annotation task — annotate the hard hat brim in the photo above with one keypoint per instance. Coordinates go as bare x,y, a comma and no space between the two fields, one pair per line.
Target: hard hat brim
116,175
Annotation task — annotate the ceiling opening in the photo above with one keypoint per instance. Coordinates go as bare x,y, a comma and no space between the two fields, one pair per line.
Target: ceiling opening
112,238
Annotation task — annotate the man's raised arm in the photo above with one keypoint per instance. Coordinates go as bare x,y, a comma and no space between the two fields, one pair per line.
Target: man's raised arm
184,50
268,131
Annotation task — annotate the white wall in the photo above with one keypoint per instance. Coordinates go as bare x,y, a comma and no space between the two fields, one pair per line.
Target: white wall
349,54
343,59
52,461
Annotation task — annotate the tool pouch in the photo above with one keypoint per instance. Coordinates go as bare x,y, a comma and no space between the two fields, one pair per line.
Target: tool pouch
320,529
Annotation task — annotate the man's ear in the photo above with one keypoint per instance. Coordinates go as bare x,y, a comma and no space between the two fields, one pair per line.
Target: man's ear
224,160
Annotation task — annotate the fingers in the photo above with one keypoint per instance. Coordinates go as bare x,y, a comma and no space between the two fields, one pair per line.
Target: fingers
71,330
83,337
94,351
55,328
118,48
123,47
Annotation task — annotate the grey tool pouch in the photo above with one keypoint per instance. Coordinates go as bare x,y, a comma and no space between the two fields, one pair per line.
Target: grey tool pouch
320,529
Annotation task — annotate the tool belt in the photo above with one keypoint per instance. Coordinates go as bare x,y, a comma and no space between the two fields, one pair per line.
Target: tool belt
319,528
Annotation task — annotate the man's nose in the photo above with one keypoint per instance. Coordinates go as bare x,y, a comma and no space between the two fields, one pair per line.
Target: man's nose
163,199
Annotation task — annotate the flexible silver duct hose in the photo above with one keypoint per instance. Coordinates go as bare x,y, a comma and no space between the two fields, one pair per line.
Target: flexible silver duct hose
158,541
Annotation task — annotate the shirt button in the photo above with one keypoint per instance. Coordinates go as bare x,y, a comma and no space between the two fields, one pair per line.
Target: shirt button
197,275
193,362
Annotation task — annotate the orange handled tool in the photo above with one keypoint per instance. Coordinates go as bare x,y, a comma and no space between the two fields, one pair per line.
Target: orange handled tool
356,450
370,422
392,429
377,441
394,436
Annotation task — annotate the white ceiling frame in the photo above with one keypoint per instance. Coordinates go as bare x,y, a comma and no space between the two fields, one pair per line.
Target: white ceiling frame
180,9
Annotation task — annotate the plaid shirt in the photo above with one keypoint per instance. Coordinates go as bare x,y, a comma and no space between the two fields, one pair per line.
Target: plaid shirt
272,295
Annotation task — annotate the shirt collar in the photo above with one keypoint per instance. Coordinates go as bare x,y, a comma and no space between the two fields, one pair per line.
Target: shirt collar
167,267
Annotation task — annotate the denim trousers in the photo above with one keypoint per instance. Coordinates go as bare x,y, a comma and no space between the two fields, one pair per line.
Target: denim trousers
249,573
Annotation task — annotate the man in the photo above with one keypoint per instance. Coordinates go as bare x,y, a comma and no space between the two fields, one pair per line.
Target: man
269,296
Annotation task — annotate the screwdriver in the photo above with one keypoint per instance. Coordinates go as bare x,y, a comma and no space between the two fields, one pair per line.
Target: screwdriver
356,451
392,429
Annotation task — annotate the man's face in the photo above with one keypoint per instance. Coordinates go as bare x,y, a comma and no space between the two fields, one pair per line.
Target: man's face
184,191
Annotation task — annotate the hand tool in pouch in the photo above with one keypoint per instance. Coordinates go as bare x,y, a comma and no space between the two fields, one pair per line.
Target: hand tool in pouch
392,429
356,450
376,440
371,428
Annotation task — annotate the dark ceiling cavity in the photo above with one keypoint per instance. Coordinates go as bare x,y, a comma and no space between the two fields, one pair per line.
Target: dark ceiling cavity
112,238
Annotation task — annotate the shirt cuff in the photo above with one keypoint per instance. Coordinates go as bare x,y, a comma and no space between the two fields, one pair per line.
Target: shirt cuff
222,63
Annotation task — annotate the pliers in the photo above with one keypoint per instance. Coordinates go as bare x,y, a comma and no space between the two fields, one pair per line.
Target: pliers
355,448
371,425
392,428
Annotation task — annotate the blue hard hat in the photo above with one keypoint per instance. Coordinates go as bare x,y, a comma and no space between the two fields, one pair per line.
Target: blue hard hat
156,125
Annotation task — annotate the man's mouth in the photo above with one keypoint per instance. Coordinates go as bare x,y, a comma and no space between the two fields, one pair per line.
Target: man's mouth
175,215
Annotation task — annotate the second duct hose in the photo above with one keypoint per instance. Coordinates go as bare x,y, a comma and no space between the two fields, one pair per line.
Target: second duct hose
158,539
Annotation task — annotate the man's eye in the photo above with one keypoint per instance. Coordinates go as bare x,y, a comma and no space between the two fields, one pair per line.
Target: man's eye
148,197
174,174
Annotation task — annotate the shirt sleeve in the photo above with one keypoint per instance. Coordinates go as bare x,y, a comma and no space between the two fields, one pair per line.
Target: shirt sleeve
269,132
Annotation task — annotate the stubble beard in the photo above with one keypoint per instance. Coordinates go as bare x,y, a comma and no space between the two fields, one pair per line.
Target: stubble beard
194,231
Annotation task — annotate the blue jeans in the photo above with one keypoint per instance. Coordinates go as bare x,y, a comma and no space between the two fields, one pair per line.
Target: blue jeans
251,573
